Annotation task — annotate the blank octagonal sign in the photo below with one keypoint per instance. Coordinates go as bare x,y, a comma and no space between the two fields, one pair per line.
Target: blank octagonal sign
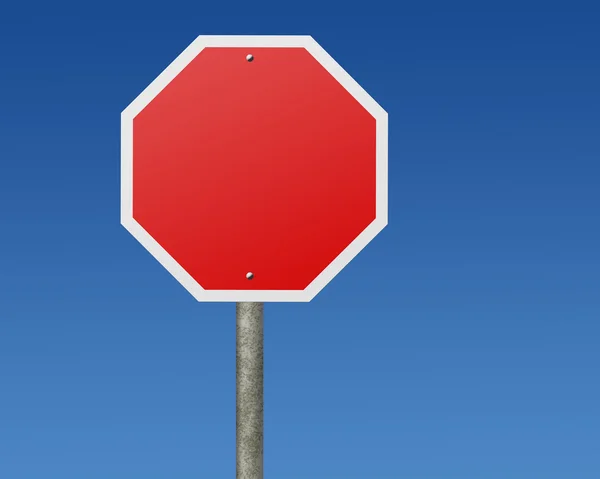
254,168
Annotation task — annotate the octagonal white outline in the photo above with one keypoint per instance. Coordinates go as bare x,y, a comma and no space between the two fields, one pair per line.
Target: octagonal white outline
164,258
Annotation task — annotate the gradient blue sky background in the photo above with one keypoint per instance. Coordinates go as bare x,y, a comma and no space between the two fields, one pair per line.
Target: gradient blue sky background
462,343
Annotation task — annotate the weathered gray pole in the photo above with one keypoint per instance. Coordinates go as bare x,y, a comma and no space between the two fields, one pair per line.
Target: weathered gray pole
249,391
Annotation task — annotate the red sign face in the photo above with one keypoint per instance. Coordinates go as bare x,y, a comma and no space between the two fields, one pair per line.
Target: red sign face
254,168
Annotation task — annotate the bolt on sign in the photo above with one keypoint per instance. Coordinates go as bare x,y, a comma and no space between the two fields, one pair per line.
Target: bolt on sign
254,168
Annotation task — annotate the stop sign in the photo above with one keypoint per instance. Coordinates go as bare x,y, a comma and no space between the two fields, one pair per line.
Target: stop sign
254,168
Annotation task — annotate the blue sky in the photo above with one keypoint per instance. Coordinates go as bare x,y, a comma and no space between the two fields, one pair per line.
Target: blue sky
462,343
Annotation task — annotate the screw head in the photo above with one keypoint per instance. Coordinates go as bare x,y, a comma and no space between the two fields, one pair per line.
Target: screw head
249,57
249,275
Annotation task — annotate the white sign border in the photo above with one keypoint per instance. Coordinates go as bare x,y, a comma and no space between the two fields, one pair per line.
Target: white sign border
164,258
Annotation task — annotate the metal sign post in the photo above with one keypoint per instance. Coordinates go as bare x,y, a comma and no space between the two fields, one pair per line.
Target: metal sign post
249,390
